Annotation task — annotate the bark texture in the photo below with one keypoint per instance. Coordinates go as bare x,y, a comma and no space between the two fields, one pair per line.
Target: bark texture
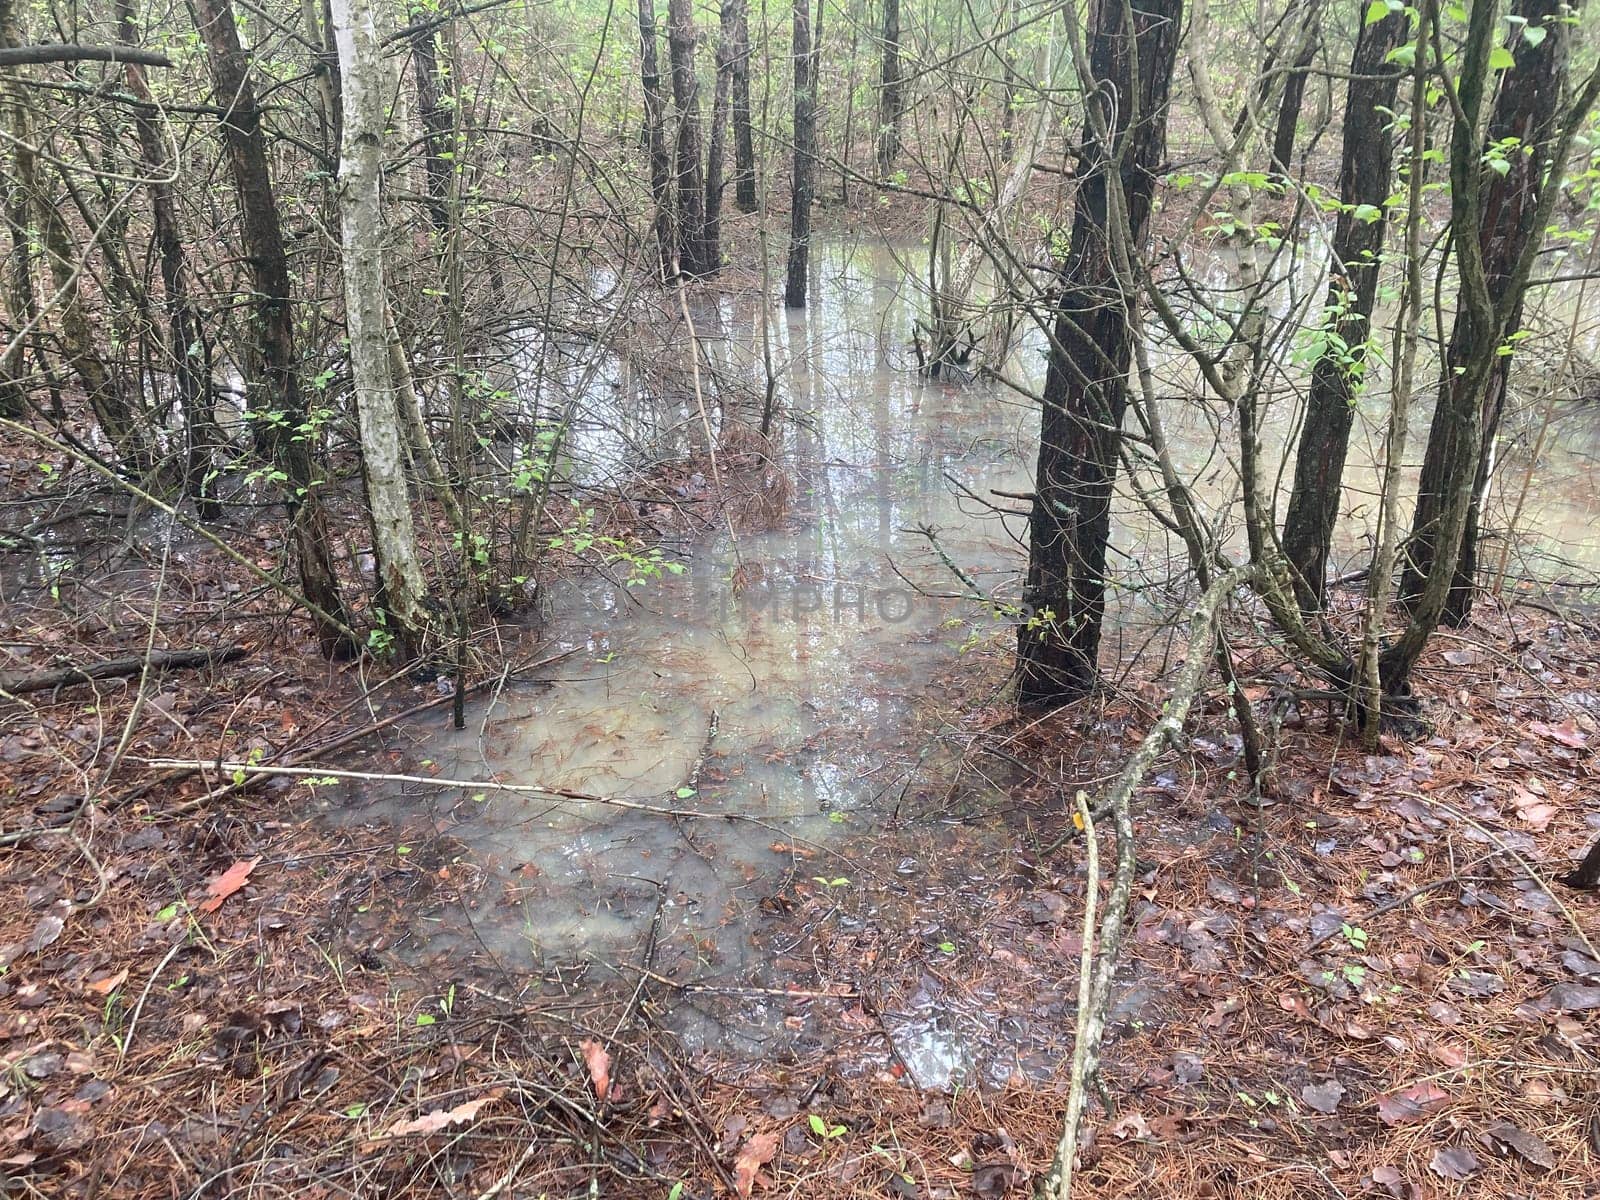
744,145
1526,110
1365,178
1086,384
694,255
655,134
805,156
273,387
401,588
890,90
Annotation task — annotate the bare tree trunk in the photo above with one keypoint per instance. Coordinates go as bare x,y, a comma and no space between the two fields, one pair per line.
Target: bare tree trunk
1289,105
1526,108
326,66
655,105
805,157
1365,179
401,589
890,93
188,346
436,125
22,309
1489,302
690,173
716,148
1086,383
274,392
1012,84
744,146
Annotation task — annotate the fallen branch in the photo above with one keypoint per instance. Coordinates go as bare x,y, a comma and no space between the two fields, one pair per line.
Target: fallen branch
32,56
1092,1018
245,769
117,668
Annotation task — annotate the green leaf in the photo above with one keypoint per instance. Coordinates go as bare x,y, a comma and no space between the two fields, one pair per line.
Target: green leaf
818,1125
1377,11
1534,34
1500,166
167,913
1500,59
425,1019
685,792
1367,213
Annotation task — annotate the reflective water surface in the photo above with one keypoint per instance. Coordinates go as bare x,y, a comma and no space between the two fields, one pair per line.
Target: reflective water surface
781,681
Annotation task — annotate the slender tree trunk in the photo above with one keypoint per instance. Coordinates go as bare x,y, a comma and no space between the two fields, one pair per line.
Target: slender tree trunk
22,309
890,90
1289,105
716,148
188,346
1012,84
1086,383
401,587
655,106
274,392
845,144
689,170
805,156
436,125
744,146
326,67
1365,180
1526,108
1487,304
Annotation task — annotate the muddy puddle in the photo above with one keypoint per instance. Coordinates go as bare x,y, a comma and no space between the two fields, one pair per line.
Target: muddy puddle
776,688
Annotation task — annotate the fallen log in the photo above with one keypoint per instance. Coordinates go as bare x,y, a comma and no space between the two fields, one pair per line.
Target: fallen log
32,56
15,682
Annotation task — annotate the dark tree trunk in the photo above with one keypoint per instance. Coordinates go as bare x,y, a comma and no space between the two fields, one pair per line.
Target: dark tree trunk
274,396
655,106
805,156
744,146
1294,92
1086,383
716,147
436,126
690,171
1012,85
1526,109
890,90
188,346
21,307
1365,179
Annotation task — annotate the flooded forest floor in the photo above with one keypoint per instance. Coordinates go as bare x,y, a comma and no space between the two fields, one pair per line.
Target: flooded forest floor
845,964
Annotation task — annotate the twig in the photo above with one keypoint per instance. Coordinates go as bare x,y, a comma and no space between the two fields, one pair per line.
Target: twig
482,785
1078,1086
1093,1016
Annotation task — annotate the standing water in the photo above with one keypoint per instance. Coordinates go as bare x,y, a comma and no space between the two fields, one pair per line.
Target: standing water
774,686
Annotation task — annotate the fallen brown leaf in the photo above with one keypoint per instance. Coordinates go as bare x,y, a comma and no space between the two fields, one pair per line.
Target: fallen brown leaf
1412,1104
226,884
599,1064
440,1119
757,1153
104,987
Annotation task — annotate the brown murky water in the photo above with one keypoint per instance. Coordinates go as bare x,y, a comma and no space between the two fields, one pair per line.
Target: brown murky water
794,702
